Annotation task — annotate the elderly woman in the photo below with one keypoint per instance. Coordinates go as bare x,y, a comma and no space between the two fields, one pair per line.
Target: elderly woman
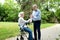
22,24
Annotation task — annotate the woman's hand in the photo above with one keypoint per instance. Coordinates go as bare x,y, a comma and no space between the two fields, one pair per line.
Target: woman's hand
30,20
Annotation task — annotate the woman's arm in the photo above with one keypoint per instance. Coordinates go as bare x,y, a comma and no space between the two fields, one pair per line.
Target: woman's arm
25,21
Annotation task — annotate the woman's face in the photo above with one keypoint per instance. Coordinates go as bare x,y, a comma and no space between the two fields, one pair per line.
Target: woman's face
22,15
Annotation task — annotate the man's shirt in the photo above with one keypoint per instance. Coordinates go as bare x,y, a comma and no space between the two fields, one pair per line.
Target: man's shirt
36,15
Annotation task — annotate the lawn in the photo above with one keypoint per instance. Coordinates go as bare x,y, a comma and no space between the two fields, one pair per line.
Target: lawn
10,29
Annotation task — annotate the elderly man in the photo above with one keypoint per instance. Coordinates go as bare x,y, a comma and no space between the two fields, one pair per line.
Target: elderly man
36,17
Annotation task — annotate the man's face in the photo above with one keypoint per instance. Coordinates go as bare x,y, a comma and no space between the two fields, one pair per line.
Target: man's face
35,8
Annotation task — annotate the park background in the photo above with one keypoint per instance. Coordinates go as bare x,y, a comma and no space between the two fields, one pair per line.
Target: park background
9,9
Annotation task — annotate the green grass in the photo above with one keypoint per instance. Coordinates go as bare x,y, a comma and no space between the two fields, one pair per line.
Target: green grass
42,25
10,29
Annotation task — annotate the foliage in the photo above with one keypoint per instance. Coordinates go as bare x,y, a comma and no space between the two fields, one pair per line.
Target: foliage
49,15
58,14
9,11
26,6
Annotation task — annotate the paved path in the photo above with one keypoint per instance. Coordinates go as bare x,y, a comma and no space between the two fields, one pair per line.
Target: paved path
51,33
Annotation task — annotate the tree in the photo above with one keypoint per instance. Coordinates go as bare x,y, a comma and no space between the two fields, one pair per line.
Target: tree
26,6
9,11
3,15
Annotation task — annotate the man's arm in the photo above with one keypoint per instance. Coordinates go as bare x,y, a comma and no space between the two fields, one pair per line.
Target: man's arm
38,14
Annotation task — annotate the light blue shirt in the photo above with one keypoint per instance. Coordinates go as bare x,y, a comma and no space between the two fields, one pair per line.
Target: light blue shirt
36,15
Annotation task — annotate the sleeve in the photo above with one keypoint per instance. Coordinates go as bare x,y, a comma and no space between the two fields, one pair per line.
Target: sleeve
38,14
33,14
25,21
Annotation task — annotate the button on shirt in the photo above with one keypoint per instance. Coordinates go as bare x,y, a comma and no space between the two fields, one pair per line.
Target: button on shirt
36,15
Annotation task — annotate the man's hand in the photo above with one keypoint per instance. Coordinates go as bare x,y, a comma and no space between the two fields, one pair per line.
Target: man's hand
31,16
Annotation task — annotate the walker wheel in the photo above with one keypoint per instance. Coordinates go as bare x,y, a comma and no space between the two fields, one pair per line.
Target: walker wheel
21,38
17,39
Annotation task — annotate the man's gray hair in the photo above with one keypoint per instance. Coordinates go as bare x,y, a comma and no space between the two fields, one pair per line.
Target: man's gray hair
34,5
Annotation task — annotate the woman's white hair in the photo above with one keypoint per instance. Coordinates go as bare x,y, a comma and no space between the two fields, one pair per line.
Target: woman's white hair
19,15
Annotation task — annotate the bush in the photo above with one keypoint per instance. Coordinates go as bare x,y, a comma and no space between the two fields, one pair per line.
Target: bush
9,12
